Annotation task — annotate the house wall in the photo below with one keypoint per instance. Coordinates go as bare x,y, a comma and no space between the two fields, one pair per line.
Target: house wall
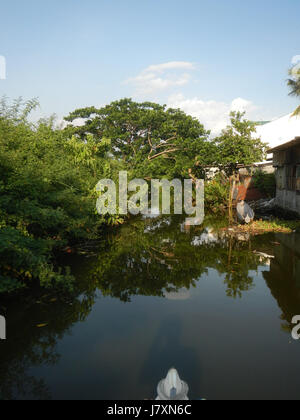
287,157
246,190
289,200
287,196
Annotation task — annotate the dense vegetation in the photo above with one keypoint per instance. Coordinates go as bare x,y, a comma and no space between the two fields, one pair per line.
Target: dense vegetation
237,145
48,175
46,196
265,182
149,139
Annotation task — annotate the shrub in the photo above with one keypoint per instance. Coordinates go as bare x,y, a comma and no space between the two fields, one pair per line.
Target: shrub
217,193
47,198
266,183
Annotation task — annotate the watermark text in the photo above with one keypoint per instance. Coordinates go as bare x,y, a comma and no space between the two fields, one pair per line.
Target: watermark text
134,197
2,328
296,329
2,67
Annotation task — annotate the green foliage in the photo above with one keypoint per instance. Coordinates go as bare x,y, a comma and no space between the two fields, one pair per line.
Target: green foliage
266,183
236,145
276,225
155,257
48,176
217,193
47,198
149,139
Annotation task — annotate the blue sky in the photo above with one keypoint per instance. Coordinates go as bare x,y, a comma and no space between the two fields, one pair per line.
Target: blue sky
203,56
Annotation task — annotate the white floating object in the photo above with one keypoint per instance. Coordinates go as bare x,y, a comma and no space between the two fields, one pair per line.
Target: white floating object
245,212
264,255
172,388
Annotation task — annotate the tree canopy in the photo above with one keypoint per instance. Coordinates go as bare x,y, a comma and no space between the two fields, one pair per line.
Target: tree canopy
46,196
150,139
237,145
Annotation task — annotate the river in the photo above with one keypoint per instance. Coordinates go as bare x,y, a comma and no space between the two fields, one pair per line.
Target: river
153,295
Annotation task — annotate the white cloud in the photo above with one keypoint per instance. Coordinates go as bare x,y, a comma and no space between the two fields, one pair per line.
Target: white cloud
296,59
158,77
242,105
296,65
213,115
172,65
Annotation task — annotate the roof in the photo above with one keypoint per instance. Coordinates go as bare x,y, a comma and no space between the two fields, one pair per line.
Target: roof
286,146
279,132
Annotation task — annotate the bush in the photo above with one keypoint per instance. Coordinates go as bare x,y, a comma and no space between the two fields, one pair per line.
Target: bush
266,183
47,198
217,193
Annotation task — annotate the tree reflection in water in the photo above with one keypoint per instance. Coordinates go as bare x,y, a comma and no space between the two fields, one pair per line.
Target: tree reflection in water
153,257
28,346
159,258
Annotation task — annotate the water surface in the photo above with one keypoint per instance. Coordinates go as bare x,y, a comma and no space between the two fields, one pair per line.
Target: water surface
154,295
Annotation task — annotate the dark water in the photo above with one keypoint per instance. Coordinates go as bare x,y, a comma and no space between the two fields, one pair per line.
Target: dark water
154,296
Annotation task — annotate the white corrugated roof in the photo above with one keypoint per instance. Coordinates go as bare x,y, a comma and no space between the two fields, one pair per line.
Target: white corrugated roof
279,131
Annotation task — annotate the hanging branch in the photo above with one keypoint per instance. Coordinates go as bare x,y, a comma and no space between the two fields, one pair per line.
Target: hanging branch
162,153
165,144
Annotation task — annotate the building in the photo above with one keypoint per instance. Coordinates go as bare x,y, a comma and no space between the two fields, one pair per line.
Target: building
275,134
280,130
286,160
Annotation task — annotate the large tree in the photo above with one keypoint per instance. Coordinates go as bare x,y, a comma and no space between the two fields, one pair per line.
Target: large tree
294,85
237,145
150,139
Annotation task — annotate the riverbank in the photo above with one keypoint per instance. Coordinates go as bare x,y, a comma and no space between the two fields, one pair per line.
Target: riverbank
260,227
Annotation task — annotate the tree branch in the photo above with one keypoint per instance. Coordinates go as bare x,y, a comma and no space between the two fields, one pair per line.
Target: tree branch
162,153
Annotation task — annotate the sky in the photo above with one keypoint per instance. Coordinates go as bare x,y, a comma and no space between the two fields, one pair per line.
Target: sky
206,57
